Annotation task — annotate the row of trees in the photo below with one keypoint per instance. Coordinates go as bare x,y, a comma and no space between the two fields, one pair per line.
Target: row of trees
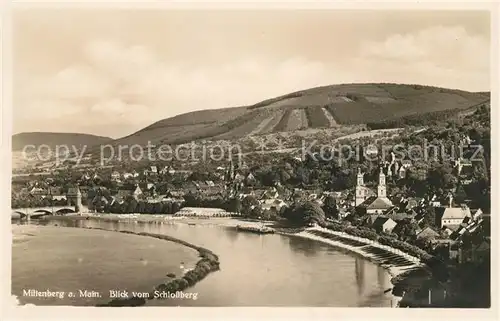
131,205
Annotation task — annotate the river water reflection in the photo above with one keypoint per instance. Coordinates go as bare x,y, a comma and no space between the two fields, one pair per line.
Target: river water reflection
269,270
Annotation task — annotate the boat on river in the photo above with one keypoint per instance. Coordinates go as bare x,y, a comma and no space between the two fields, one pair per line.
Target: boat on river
255,229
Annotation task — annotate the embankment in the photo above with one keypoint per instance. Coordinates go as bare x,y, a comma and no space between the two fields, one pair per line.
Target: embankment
396,262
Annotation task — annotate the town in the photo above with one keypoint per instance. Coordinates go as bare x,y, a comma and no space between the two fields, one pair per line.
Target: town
439,207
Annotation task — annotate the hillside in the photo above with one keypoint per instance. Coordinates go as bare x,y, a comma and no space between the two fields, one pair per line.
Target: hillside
321,107
53,139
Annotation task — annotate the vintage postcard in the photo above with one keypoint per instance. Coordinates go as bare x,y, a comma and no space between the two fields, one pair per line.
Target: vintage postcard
225,156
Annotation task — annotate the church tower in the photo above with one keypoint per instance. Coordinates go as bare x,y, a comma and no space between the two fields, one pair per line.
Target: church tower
360,190
382,189
230,171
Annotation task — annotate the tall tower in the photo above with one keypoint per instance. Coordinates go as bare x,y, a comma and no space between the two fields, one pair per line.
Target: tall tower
360,191
382,189
75,196
230,171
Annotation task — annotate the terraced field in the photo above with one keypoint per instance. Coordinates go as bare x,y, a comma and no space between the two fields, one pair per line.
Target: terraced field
344,113
268,124
244,125
283,123
380,100
346,99
297,120
316,117
331,121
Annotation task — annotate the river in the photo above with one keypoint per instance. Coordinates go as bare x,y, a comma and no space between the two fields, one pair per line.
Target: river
265,270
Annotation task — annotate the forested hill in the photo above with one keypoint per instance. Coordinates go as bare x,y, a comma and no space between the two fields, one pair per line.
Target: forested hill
54,139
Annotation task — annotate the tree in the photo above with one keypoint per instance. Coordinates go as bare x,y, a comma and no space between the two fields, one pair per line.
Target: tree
283,211
312,213
256,212
141,207
407,230
149,208
292,213
449,180
115,208
284,176
266,215
175,207
430,217
305,213
235,205
248,204
98,204
167,208
192,199
157,209
330,207
460,195
131,205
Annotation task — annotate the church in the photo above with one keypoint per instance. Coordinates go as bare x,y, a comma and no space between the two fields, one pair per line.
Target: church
366,201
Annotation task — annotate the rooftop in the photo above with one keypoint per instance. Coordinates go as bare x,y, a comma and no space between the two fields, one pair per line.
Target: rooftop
456,213
375,202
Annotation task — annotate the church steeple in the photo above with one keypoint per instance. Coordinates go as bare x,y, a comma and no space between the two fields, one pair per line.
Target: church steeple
360,189
360,181
382,190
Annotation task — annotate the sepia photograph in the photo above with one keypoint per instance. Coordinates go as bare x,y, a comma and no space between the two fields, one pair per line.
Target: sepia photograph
166,157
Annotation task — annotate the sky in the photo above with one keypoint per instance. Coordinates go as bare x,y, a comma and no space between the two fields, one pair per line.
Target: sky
113,72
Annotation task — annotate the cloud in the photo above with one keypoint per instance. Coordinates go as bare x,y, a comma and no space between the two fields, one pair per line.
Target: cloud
447,47
131,86
114,89
73,82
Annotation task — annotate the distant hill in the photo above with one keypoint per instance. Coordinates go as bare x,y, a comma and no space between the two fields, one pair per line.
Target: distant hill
53,139
320,107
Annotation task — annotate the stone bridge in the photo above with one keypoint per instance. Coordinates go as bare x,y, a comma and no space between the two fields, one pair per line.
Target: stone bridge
37,212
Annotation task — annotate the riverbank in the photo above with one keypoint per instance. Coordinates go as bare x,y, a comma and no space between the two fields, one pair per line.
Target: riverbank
395,262
36,248
209,262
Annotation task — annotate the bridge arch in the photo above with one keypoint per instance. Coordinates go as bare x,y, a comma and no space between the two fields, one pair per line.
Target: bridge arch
65,211
18,214
42,212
